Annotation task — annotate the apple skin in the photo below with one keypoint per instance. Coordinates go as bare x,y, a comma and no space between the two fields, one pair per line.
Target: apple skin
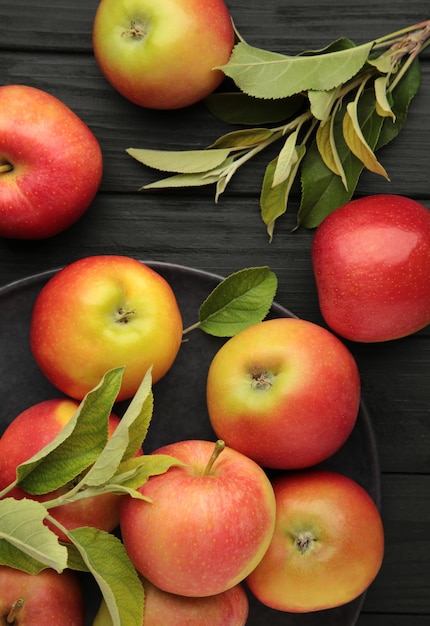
49,597
202,534
102,312
284,392
371,260
230,608
160,54
50,164
344,529
28,433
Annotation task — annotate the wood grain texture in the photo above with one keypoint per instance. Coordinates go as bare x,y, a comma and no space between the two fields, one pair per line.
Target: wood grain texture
49,46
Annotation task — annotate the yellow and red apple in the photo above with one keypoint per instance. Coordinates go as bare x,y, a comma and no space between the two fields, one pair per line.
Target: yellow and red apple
209,522
284,392
161,54
327,547
103,312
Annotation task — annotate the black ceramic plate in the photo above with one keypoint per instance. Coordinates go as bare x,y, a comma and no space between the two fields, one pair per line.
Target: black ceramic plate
179,406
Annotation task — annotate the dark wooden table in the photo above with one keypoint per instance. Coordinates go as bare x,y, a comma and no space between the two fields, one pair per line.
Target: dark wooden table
48,45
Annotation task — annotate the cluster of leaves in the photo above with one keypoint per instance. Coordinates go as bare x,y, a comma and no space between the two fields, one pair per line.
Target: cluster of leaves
337,107
82,462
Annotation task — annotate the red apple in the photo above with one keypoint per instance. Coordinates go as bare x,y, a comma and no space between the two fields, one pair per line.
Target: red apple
208,524
229,608
161,54
284,392
102,312
371,259
40,599
50,164
327,547
28,433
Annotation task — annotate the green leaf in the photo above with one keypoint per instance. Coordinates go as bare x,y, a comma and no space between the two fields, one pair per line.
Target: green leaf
274,198
239,108
135,472
240,300
322,102
77,445
383,106
356,141
322,190
243,138
127,437
108,561
180,161
264,74
187,180
327,148
402,95
26,543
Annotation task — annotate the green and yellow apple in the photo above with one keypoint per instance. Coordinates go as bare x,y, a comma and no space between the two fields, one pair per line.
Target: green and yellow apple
284,392
40,599
28,433
50,164
327,547
371,260
102,312
161,54
208,525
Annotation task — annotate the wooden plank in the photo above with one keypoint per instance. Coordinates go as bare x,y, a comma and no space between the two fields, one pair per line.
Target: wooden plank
403,583
118,124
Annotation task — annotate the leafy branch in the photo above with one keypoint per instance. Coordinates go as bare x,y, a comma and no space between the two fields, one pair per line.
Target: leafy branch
336,107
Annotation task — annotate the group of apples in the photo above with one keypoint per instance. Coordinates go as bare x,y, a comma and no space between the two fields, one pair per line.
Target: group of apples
282,395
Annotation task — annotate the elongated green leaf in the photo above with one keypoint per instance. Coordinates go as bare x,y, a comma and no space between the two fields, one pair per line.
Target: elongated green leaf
328,150
383,107
180,161
264,74
186,180
26,543
274,198
286,160
79,443
243,138
357,142
127,437
322,102
108,561
239,108
402,95
322,190
240,300
134,472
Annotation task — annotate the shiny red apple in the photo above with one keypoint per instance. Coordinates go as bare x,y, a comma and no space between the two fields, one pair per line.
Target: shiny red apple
50,164
371,259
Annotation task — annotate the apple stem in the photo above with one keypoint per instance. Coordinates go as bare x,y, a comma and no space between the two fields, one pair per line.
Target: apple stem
219,447
16,608
5,167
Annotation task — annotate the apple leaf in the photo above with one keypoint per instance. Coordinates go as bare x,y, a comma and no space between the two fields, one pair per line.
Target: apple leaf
239,108
26,543
134,472
127,437
240,300
107,560
180,161
264,74
77,445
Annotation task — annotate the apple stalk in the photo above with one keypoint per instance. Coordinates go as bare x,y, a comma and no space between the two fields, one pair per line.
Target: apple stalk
219,447
16,608
5,167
